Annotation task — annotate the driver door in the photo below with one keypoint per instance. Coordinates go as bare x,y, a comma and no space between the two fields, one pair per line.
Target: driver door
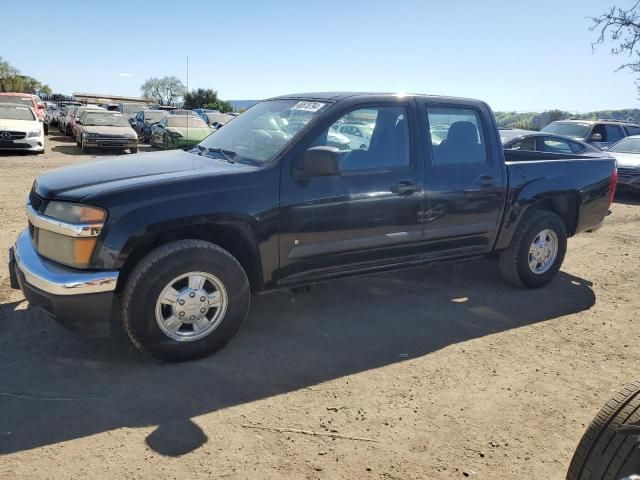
366,216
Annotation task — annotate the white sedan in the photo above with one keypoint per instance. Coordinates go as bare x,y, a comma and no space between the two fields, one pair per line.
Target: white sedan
20,129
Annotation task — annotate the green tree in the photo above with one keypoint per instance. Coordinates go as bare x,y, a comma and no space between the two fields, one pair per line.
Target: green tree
12,81
165,90
200,98
222,106
206,98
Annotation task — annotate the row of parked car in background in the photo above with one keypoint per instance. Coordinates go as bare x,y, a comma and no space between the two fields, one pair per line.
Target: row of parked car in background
591,138
124,125
25,120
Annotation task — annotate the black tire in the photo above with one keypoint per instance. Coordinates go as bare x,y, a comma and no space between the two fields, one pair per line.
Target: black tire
46,129
134,150
514,261
607,452
83,149
151,276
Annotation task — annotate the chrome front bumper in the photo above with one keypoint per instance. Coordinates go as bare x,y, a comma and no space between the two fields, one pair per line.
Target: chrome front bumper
55,279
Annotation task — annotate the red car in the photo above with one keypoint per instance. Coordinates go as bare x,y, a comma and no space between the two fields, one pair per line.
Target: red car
29,100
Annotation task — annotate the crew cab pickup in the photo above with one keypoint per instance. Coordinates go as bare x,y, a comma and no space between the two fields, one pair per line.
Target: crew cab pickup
173,244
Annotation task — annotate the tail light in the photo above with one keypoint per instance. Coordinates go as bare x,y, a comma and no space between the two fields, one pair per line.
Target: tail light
613,183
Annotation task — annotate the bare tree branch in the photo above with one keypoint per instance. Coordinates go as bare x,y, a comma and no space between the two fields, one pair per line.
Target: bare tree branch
623,28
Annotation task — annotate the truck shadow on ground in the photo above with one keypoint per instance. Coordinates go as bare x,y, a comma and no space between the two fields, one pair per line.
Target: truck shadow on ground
56,386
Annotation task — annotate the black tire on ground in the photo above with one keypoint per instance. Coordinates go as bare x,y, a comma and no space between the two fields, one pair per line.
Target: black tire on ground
46,129
606,451
155,271
514,261
83,149
134,150
68,130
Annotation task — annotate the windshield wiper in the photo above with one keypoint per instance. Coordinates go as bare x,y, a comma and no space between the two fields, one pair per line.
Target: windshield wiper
227,154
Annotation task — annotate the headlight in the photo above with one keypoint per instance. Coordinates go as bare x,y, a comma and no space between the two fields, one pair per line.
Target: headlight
73,241
34,133
75,213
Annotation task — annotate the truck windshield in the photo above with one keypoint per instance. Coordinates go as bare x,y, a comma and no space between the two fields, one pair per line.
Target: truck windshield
628,145
261,132
569,129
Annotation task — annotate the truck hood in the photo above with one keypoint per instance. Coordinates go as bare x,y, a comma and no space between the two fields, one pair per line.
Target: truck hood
626,159
81,180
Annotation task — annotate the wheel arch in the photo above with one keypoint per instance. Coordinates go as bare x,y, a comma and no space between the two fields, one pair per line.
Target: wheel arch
236,237
566,206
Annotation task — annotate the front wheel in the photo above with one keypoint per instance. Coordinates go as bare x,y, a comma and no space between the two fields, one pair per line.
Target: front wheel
537,250
185,300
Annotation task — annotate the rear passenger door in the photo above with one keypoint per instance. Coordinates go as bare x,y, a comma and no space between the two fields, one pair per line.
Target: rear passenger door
464,179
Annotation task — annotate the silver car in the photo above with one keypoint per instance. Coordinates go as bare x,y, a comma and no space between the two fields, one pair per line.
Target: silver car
627,155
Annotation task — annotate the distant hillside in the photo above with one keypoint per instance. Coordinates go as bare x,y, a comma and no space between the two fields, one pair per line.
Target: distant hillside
538,120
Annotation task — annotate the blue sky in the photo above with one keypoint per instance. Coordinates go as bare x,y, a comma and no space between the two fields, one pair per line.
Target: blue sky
515,54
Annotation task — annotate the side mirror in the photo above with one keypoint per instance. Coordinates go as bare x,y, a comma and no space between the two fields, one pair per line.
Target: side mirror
596,137
320,162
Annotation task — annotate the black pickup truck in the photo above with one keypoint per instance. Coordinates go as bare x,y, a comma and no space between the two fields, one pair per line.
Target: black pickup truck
298,189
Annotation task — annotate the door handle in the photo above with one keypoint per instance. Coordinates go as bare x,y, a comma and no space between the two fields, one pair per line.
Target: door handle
485,181
405,188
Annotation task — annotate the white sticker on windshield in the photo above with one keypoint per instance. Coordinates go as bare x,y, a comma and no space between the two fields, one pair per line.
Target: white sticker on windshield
308,106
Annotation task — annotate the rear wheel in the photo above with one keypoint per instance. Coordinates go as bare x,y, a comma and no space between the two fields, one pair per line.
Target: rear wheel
609,447
185,300
537,250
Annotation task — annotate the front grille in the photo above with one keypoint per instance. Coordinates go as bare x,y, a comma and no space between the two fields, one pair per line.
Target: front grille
35,200
11,144
111,143
628,172
112,137
11,135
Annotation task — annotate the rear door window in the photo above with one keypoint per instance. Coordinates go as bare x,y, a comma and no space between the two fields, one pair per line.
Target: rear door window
633,130
613,133
556,145
524,144
457,136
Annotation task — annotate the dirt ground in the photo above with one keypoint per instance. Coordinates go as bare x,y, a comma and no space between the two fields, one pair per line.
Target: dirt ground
439,372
